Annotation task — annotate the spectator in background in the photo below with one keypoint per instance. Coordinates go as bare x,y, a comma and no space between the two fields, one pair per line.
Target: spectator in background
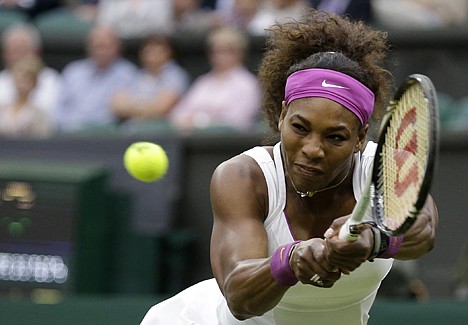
136,18
84,10
420,14
21,118
258,15
222,7
355,9
18,42
189,17
89,83
228,95
157,87
242,13
30,7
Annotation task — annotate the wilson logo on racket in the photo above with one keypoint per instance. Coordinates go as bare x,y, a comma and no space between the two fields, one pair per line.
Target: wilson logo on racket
406,146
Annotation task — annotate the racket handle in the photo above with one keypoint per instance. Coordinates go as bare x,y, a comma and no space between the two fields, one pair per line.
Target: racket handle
346,234
350,230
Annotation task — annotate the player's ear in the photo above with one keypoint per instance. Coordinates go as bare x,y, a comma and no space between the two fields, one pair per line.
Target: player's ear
284,109
361,138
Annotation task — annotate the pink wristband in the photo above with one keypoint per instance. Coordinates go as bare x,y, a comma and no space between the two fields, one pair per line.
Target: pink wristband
394,244
279,265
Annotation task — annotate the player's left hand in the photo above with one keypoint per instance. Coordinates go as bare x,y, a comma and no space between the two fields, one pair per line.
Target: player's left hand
347,255
420,238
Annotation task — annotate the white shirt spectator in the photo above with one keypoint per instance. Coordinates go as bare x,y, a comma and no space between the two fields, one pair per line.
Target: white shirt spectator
136,18
44,96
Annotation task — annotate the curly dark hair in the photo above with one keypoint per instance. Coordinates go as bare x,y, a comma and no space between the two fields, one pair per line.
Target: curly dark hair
327,41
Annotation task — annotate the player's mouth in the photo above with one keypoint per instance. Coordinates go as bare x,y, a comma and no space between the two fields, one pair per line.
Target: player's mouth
309,171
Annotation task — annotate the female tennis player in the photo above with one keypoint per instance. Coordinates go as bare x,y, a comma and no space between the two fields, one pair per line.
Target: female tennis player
277,209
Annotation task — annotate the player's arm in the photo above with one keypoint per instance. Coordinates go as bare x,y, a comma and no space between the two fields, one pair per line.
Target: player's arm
417,241
239,243
420,238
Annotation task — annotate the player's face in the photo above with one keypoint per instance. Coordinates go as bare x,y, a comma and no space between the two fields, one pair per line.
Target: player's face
319,138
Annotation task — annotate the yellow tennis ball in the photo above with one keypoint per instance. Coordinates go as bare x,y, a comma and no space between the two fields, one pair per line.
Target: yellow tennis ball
146,161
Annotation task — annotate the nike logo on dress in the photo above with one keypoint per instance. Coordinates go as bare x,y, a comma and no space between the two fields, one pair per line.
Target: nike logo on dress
327,85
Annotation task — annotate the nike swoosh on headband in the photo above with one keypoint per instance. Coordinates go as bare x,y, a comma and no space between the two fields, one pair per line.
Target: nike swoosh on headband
327,85
343,89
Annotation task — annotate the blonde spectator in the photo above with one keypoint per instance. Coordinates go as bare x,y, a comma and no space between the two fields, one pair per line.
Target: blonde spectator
22,41
21,118
228,95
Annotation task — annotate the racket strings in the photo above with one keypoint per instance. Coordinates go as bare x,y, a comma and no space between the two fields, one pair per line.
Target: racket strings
404,156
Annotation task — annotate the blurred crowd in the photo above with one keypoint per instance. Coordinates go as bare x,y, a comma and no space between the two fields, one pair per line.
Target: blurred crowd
104,88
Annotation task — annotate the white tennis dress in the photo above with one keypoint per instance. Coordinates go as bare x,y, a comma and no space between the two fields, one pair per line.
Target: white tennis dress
347,302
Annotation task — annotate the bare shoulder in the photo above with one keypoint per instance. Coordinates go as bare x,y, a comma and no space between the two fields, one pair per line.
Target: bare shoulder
240,168
239,180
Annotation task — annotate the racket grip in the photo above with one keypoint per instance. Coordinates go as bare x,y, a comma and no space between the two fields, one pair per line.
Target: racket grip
346,234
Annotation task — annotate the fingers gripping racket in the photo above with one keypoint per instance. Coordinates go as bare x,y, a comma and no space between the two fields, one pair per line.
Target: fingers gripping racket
404,163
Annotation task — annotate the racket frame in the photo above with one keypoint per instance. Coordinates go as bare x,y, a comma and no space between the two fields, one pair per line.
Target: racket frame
370,196
433,148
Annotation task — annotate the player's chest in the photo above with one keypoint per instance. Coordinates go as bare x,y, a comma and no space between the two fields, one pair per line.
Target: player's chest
311,221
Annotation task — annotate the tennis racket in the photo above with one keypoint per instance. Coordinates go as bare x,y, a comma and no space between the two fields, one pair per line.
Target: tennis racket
404,163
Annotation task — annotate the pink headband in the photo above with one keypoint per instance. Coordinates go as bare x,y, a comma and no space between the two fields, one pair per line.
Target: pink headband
333,85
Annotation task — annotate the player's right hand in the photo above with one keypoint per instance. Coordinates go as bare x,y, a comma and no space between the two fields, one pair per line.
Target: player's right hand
308,259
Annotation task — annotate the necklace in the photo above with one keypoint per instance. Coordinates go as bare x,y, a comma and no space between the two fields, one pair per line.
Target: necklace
312,193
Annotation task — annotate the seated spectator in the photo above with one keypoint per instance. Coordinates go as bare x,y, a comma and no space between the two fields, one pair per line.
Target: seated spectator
31,7
256,16
21,118
136,18
89,83
228,95
420,14
189,17
222,7
18,42
356,9
242,13
84,10
158,86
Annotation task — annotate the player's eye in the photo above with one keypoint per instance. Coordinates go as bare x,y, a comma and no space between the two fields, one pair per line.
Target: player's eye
299,128
338,138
